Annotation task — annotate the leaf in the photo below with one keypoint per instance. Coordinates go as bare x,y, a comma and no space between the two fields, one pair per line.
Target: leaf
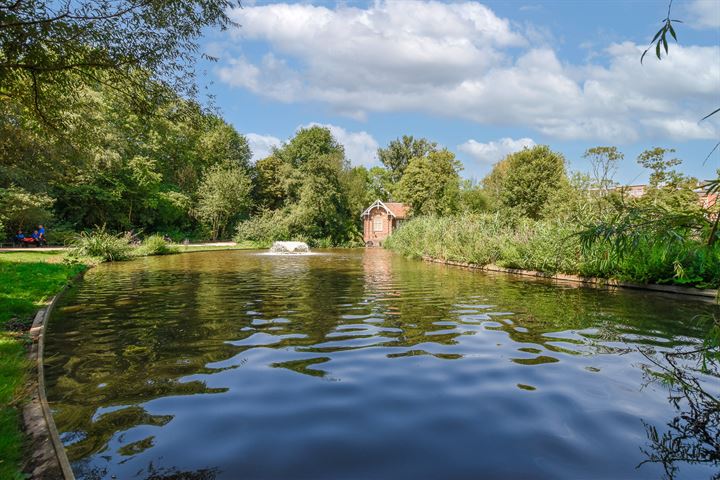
659,32
657,51
672,31
665,44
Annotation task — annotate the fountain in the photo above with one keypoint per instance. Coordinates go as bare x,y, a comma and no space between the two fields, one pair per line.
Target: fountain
289,247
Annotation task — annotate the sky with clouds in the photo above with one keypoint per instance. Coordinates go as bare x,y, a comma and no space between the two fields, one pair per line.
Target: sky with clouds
482,79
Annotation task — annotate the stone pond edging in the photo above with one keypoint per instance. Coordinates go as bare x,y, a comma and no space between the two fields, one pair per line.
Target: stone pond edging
48,459
707,294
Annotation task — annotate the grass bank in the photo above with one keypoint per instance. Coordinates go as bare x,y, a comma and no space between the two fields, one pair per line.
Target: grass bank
28,280
554,247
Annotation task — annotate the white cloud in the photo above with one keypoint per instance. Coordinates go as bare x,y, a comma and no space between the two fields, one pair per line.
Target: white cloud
494,151
360,147
261,145
456,60
704,14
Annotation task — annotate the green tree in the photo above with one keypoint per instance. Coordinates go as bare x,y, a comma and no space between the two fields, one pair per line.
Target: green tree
20,209
221,143
431,184
309,143
381,184
532,175
322,211
355,182
472,198
604,164
269,192
50,49
494,183
662,169
400,152
223,196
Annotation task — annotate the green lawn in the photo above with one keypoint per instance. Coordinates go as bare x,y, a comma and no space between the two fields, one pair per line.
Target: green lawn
27,281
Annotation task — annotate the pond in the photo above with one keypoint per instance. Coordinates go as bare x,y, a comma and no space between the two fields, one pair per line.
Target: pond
354,364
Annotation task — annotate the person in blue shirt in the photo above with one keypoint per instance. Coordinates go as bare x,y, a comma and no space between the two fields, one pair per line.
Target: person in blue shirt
41,233
19,238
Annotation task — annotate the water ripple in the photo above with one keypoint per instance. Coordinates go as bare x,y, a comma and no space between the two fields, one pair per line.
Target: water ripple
352,364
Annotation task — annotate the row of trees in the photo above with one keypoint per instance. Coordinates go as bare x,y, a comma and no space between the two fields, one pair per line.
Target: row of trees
174,171
185,172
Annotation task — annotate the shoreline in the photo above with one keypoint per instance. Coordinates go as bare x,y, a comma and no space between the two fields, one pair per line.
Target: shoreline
699,293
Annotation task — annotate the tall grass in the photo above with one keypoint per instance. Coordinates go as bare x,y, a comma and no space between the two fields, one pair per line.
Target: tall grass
155,245
101,245
554,246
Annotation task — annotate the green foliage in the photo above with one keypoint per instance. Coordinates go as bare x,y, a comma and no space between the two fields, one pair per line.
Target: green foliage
526,180
662,171
322,210
473,198
264,228
310,143
51,51
116,167
431,184
307,191
155,245
223,196
381,184
604,164
101,245
660,38
268,186
400,152
20,209
556,246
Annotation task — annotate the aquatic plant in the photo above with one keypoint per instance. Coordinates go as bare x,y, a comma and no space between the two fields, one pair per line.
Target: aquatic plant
101,245
155,245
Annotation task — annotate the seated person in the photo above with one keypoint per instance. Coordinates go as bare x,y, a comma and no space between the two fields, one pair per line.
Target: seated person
35,236
19,237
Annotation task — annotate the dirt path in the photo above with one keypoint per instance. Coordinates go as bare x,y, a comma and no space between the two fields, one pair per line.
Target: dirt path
61,249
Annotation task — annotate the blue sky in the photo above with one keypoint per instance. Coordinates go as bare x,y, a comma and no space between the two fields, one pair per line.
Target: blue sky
482,79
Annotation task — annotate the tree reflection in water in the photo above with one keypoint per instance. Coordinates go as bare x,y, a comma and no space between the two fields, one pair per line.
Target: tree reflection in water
693,435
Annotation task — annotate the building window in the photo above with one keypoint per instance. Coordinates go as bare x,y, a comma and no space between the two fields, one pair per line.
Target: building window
377,224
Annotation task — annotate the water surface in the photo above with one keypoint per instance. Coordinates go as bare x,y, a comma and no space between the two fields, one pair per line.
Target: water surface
354,364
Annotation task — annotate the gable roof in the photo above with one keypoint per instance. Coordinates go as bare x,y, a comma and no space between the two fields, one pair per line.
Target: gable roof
400,210
397,210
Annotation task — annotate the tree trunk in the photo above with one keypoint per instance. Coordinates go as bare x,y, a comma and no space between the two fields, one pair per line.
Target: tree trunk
713,231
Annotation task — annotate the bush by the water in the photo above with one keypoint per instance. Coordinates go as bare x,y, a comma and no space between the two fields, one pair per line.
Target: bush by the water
101,245
555,246
155,245
264,229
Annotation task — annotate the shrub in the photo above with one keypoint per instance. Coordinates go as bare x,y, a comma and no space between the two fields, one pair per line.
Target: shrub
155,245
101,245
264,228
555,246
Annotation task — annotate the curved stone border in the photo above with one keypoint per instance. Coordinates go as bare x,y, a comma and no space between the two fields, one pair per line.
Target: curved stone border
48,459
709,294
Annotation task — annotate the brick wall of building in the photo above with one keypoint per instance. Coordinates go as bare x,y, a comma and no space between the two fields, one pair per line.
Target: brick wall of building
377,237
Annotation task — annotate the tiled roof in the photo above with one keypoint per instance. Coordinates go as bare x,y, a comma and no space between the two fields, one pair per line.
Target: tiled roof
400,210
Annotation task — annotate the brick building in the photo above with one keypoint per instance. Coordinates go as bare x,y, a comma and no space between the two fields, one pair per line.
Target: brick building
380,219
